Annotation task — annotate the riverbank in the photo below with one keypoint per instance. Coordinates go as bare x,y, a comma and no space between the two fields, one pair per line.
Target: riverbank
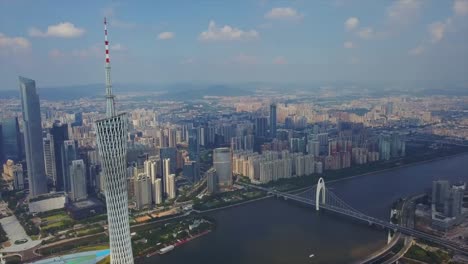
397,167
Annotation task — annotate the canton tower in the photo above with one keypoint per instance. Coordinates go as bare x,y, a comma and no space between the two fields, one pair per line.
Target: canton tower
112,145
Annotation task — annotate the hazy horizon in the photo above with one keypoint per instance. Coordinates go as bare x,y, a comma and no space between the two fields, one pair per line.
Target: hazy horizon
242,41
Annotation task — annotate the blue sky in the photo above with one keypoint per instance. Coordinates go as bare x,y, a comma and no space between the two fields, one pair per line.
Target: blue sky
60,43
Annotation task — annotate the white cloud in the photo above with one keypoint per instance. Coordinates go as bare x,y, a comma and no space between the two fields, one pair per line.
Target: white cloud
118,47
366,33
354,60
417,51
245,59
94,51
351,23
460,7
166,35
402,11
226,33
280,60
438,29
13,44
348,45
56,53
61,30
283,13
114,22
188,61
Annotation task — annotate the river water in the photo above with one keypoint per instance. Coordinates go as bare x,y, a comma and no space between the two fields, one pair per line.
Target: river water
278,231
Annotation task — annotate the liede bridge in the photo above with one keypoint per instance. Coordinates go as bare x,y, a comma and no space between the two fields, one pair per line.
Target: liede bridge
323,198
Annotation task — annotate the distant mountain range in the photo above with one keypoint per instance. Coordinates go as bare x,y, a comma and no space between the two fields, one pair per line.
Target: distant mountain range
167,92
192,91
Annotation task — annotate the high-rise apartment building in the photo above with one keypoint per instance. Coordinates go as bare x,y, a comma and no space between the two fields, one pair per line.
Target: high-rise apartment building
112,144
33,137
166,172
157,194
172,192
142,185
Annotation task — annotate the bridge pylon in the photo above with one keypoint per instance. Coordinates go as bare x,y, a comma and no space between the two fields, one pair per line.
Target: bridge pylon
320,190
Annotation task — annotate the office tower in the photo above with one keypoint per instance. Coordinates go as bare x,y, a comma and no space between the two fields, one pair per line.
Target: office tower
11,139
191,171
157,194
172,190
68,155
33,137
78,181
454,203
261,126
49,158
193,144
59,132
112,144
273,120
142,185
166,172
78,119
169,153
440,193
18,177
212,181
222,165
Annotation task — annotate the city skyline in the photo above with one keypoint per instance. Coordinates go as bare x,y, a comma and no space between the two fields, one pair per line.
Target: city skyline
234,123
275,41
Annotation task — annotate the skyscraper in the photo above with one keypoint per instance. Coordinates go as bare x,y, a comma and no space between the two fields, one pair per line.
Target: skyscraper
59,132
112,145
172,192
157,194
193,144
212,181
49,158
222,165
11,139
166,172
33,137
261,125
68,155
169,153
273,120
78,180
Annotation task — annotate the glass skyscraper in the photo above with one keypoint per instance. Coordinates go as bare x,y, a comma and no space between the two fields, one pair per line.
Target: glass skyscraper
11,139
273,120
33,137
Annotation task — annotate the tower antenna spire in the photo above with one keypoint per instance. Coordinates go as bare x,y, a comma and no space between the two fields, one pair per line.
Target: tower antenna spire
110,104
